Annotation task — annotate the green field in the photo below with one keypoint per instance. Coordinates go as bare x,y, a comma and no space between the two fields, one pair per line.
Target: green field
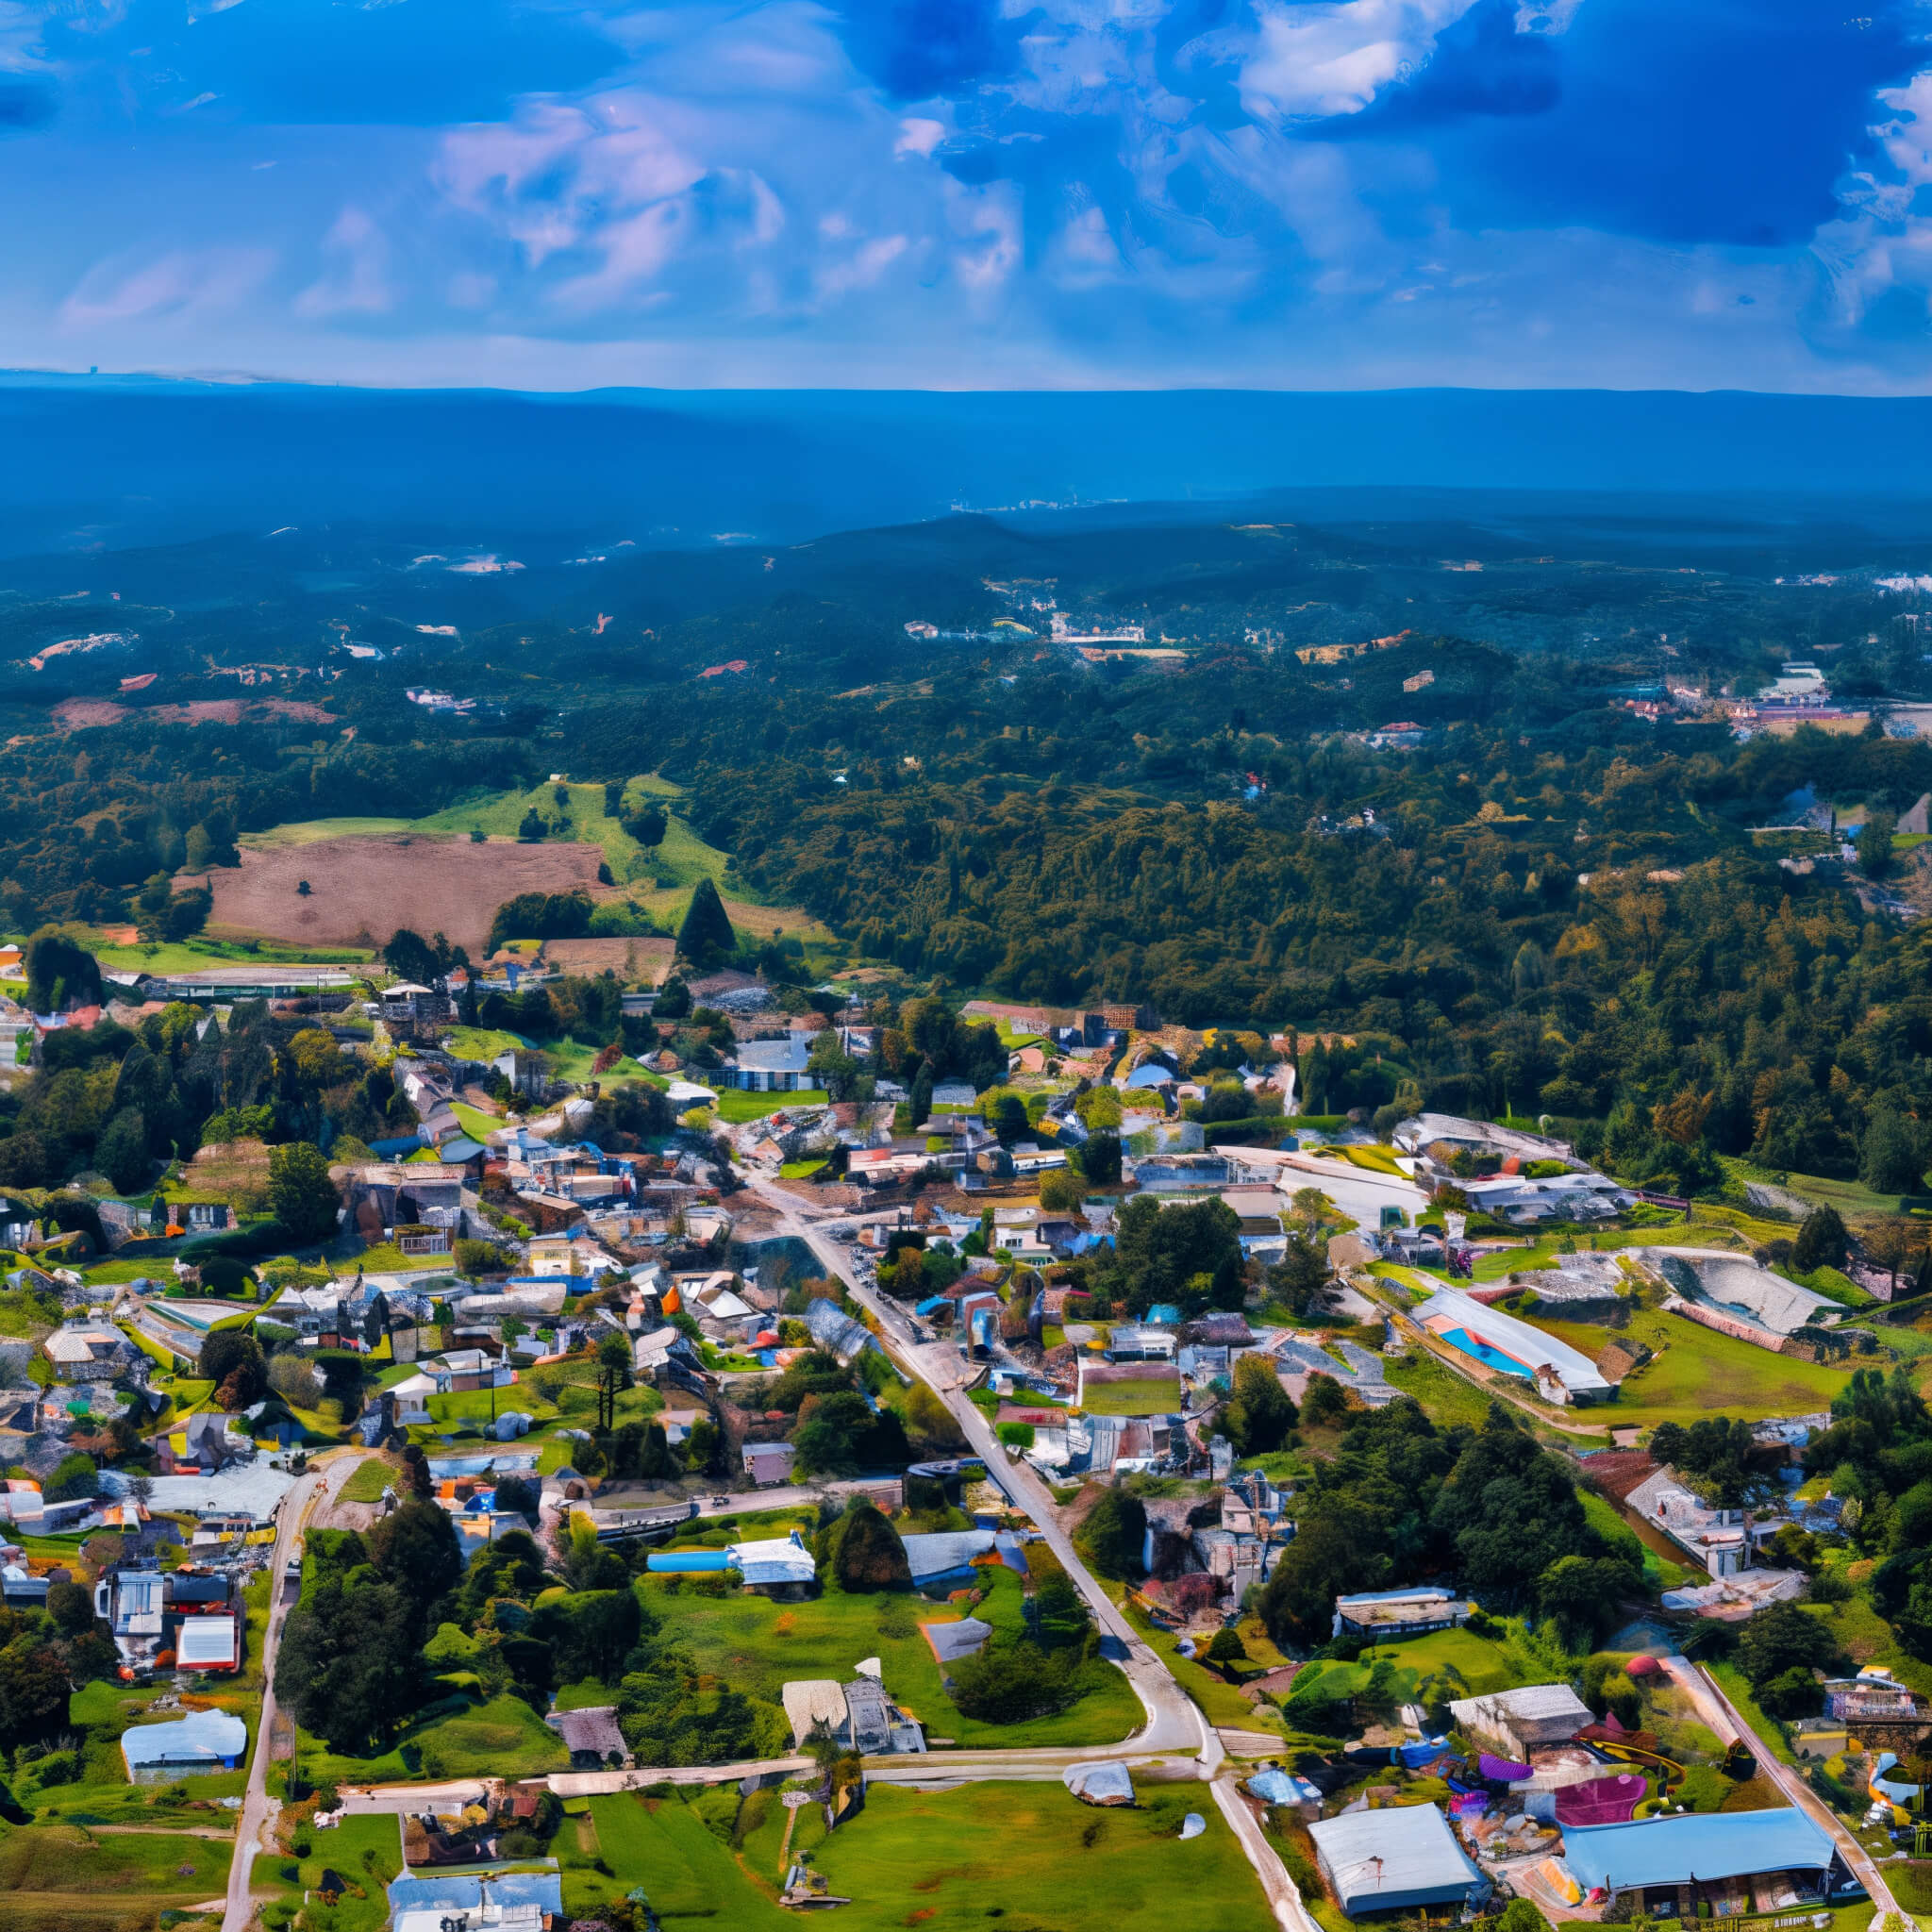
312,831
736,1106
758,1645
504,1738
54,1862
1135,1397
1028,1855
197,955
371,1478
1696,1372
368,1852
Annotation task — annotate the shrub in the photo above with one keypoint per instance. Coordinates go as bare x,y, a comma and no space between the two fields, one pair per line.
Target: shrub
1113,1535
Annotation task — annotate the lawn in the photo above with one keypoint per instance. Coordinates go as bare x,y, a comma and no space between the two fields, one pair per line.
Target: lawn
758,1645
311,831
1444,1396
1028,1854
483,1043
736,1106
368,1852
1695,1372
475,1122
1132,1398
1222,1702
372,1477
199,954
504,1738
44,1865
1485,1666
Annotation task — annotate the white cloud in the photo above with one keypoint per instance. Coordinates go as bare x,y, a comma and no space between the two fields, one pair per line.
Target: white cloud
185,283
354,280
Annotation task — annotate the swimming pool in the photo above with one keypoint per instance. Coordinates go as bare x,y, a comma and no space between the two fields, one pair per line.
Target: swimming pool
1490,1358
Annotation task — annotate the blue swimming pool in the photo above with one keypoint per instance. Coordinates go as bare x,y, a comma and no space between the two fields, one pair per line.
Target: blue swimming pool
1490,1358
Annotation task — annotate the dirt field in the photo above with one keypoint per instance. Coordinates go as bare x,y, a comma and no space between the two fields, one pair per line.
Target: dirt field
76,714
362,890
638,962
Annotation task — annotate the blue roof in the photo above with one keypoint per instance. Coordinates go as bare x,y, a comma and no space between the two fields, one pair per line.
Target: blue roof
1716,1844
203,1737
465,1893
1163,1315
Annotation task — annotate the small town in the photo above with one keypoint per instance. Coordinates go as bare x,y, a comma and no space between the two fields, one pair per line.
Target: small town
832,1404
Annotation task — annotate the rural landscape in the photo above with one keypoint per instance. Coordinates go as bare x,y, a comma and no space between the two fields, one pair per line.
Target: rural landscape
1198,1207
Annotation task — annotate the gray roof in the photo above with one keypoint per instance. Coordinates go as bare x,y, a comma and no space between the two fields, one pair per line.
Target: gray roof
832,1328
465,1893
948,1551
950,1641
775,1055
1403,1855
1539,1710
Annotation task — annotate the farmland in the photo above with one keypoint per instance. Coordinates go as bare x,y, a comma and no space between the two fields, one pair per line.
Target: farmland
365,885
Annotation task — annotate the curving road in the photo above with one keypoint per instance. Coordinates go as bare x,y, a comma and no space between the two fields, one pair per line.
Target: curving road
257,1807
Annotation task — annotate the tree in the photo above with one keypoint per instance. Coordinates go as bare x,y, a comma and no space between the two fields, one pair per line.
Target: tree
1112,1536
415,1549
1227,1648
120,1153
33,1690
1298,1279
301,1194
349,1665
1260,1412
1009,1119
861,1551
73,1476
531,827
590,1633
60,973
1784,1638
1821,1241
1584,1597
1873,845
1100,1158
231,1359
616,1365
410,958
705,937
1891,1160
673,1001
1892,1244
1009,1682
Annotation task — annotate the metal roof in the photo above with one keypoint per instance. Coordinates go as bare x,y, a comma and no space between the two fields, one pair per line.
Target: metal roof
949,1550
203,1737
1704,1845
1401,1855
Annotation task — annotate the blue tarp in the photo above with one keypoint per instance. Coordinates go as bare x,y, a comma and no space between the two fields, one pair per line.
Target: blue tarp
684,1562
1702,1845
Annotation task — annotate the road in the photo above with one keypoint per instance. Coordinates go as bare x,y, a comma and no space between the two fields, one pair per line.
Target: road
1723,1717
297,1506
1175,1724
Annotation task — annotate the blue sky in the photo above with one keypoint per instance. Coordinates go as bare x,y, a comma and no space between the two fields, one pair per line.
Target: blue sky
980,193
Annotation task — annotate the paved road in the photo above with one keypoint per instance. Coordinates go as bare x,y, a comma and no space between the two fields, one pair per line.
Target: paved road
1724,1718
1174,1721
298,1505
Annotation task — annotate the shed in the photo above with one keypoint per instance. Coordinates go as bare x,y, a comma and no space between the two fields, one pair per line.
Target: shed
1393,1859
207,1644
964,1636
948,1554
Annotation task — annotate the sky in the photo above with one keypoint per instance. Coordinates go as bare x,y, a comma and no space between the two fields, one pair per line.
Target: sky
563,194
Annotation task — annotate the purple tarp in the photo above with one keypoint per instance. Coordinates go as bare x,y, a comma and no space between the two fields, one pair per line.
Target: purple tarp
1501,1770
1602,1801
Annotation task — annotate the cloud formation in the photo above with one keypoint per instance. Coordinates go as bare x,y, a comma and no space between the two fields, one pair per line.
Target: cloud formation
992,193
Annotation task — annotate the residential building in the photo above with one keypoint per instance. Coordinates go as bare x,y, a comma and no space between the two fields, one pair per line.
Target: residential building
770,1066
1691,1864
1515,1722
1399,1612
859,1715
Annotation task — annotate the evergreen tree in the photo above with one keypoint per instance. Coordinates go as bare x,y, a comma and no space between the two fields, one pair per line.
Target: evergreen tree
705,937
861,1551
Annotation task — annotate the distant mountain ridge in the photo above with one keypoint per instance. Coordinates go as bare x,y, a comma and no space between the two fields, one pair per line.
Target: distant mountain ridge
122,462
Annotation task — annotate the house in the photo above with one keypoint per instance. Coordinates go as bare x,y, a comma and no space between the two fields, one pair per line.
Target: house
133,1604
1500,1342
202,1741
1395,1614
1515,1722
1400,1859
488,1901
781,1565
1725,1542
768,1463
770,1066
89,1348
1132,1343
